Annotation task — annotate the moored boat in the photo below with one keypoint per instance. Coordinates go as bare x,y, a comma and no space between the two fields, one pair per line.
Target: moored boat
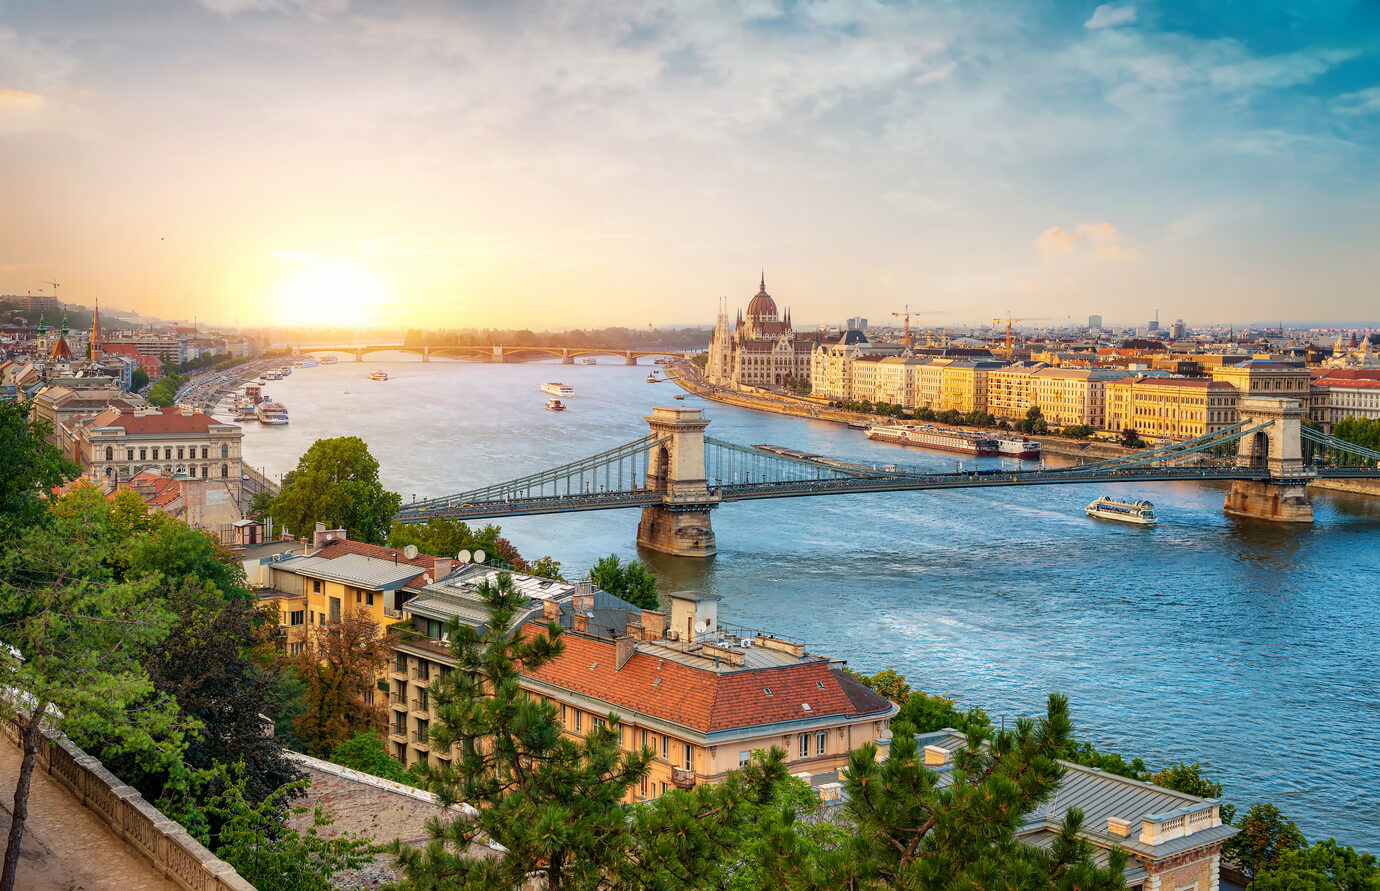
378,375
928,437
556,388
555,405
589,361
1017,447
1139,512
310,363
329,360
270,412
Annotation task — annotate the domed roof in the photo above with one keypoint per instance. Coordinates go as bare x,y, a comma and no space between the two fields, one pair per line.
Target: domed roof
762,306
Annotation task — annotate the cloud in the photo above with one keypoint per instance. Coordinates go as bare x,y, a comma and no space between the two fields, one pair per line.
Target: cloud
1361,102
316,9
1279,71
18,110
1110,16
1100,241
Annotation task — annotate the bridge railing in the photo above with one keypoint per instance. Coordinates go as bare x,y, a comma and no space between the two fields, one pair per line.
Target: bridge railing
1174,451
1320,448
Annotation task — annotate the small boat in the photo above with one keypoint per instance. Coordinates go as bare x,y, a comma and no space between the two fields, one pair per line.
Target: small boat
555,405
1017,447
661,361
678,396
270,412
589,362
378,375
310,363
329,360
556,388
1141,513
653,379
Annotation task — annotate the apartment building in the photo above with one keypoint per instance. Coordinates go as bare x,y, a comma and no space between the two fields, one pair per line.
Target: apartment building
929,384
963,387
1170,408
1069,396
1009,389
701,696
1350,393
896,380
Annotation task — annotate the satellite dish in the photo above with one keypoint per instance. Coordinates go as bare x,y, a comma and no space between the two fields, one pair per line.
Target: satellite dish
410,552
479,556
463,556
702,627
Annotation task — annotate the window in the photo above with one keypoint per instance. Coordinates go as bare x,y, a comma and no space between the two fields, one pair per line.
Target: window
313,617
368,598
804,745
295,617
204,453
579,720
131,454
224,451
295,649
179,453
598,723
204,470
335,609
666,748
644,739
744,757
143,454
689,757
225,471
401,662
316,586
663,788
109,453
821,742
422,698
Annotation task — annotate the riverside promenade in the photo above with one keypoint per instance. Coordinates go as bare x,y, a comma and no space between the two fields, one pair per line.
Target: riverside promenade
66,846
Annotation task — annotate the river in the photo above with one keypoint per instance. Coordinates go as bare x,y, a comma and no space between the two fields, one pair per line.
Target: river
1245,645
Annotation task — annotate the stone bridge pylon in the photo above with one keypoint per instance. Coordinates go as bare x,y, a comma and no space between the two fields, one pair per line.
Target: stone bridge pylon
679,525
1277,449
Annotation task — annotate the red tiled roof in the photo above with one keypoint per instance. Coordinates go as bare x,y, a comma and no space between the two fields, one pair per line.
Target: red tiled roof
692,697
1349,374
166,421
1349,384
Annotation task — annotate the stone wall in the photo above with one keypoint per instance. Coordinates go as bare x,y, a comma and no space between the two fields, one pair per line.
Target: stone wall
141,826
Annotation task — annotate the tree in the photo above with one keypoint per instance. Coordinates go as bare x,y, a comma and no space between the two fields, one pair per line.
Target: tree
1086,754
365,752
630,581
138,379
911,831
1327,866
927,713
1130,439
164,392
1188,778
888,683
444,536
30,466
553,803
74,640
337,483
338,664
1266,835
260,505
269,855
1078,431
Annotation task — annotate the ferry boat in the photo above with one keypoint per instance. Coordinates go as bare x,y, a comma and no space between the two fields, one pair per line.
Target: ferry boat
653,379
1140,512
555,405
661,361
245,410
678,396
589,361
378,375
329,360
1017,447
270,412
934,438
310,363
556,388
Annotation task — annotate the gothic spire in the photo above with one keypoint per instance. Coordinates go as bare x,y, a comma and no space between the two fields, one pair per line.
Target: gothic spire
763,285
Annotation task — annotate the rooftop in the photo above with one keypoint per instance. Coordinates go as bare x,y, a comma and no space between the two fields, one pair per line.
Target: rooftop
356,570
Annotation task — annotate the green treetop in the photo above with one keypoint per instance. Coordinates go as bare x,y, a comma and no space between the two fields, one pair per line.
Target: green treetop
630,581
337,483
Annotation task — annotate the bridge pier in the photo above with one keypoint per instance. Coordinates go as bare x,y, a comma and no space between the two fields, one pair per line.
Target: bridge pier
680,525
426,354
497,355
566,358
359,354
1283,498
629,358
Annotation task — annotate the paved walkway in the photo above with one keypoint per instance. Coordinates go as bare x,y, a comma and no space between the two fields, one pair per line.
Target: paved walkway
67,847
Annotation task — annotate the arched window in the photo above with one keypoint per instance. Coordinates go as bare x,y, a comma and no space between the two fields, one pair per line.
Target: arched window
224,452
109,471
109,454
225,471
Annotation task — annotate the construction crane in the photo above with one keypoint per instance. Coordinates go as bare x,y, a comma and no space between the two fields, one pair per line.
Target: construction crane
1009,322
906,315
55,287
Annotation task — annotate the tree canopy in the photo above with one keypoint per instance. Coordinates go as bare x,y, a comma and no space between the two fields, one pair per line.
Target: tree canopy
630,581
337,483
30,466
446,537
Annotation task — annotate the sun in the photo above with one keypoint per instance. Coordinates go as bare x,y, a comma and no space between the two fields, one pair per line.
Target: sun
331,293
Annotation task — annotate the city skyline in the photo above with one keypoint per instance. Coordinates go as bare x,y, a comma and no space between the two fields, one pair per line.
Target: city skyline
342,163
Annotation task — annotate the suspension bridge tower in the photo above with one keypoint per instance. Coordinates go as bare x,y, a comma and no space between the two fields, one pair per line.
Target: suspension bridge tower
679,525
1277,449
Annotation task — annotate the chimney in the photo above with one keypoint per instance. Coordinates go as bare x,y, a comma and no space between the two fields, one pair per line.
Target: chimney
626,646
441,568
582,622
654,624
551,610
318,537
936,756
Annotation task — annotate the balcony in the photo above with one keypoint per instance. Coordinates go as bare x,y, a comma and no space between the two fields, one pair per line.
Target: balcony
397,672
420,710
397,701
397,734
421,741
682,778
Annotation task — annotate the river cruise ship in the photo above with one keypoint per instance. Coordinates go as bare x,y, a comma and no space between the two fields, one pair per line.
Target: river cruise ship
270,412
329,360
378,375
1139,512
555,405
1017,447
556,388
940,438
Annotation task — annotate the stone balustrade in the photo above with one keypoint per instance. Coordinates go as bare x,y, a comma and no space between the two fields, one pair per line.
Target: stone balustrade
141,826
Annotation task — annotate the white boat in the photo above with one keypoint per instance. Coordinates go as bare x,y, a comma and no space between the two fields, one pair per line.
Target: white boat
1139,512
1017,447
329,360
653,379
378,375
555,405
556,388
661,361
270,412
933,438
310,363
589,362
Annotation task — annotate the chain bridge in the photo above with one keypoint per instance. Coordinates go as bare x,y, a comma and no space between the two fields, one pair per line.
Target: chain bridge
676,474
497,352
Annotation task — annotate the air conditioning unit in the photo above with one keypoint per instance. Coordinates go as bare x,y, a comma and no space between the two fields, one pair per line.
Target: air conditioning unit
747,641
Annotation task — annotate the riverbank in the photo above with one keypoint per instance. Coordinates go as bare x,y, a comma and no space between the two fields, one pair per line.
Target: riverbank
687,377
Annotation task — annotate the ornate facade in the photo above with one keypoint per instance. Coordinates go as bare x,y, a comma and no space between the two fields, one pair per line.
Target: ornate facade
760,350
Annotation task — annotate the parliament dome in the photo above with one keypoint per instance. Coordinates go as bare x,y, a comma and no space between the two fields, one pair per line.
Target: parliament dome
762,306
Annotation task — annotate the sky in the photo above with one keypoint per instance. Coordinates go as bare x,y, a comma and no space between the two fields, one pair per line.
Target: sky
547,165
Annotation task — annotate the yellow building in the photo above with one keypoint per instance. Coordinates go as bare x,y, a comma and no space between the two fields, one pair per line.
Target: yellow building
1263,377
1071,396
964,386
1008,389
1170,408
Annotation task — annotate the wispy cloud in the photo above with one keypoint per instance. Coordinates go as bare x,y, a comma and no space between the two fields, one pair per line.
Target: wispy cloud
316,9
1109,15
1361,102
1100,241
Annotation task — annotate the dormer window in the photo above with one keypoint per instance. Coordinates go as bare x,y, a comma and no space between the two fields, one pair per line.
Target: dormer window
766,690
